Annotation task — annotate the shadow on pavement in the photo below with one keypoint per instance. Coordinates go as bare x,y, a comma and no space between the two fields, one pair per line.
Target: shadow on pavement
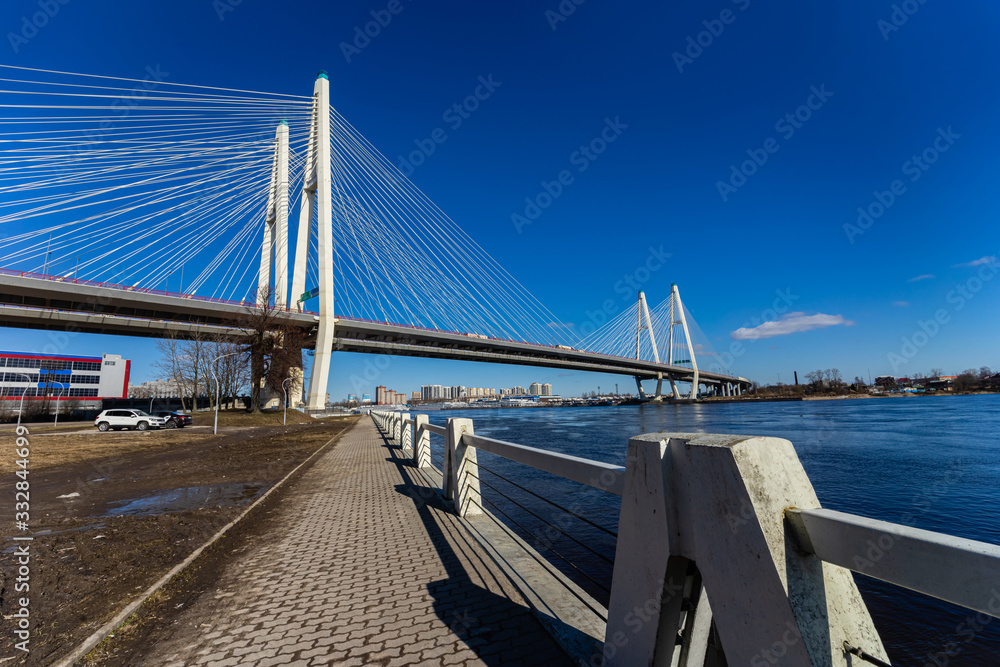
498,630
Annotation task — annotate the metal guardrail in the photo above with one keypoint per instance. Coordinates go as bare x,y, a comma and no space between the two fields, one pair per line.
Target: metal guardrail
963,572
734,517
603,476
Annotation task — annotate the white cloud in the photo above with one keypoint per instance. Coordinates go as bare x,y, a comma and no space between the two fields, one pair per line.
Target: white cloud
901,304
988,259
924,276
789,324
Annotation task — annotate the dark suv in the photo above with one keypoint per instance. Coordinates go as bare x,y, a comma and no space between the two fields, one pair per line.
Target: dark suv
175,419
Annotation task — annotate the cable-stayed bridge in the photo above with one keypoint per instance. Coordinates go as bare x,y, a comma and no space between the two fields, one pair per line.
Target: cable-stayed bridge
141,207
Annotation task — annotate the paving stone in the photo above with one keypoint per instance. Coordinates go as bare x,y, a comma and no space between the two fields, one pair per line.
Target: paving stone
353,571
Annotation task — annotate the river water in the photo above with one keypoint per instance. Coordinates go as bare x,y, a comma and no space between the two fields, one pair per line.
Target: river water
931,462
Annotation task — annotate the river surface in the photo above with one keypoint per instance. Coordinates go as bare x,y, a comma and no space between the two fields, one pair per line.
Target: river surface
932,462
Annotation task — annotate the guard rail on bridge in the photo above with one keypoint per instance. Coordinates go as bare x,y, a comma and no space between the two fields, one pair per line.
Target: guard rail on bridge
731,517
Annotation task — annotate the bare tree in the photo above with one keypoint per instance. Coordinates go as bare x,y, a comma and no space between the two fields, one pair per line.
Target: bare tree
816,379
225,369
935,374
269,344
985,373
171,363
194,358
966,380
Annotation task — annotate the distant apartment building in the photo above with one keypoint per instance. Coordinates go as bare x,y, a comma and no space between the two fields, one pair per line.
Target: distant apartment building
380,395
535,389
63,378
546,389
158,389
434,392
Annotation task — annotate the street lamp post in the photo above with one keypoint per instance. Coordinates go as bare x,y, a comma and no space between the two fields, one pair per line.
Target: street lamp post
215,429
20,408
284,419
57,405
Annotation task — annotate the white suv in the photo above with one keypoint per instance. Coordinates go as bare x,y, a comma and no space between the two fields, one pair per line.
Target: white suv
119,419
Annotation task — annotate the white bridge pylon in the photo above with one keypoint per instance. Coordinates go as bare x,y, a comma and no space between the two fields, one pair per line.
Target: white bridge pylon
276,226
676,317
316,202
484,314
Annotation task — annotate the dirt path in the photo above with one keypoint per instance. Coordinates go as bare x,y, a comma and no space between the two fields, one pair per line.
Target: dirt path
133,505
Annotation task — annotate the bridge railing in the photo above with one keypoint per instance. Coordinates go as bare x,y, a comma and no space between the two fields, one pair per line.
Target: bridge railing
723,548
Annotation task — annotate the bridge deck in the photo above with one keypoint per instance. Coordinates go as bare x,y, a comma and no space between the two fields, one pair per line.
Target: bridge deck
355,569
44,303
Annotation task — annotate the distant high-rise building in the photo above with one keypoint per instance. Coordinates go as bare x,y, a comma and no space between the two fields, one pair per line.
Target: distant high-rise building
546,389
415,396
535,389
380,395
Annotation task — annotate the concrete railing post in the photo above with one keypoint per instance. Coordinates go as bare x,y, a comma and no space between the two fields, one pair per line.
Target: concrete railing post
397,428
718,501
461,478
404,438
421,442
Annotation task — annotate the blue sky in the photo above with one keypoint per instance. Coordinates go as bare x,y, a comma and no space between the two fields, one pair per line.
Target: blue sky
867,90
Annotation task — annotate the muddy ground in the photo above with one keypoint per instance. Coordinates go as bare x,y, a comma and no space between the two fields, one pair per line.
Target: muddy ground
135,505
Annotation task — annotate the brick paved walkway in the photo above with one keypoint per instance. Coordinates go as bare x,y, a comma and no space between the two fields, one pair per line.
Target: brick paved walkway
360,572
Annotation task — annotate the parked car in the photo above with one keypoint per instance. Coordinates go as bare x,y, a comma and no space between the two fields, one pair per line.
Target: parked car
175,419
115,420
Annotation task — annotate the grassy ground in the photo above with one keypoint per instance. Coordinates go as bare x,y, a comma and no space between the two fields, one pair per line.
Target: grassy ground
89,557
76,443
244,418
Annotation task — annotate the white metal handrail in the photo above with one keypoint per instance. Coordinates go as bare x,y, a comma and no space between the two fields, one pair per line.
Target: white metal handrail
604,476
960,571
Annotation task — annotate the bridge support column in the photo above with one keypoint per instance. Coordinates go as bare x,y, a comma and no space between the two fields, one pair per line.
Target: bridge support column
276,226
317,191
642,392
296,388
687,337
